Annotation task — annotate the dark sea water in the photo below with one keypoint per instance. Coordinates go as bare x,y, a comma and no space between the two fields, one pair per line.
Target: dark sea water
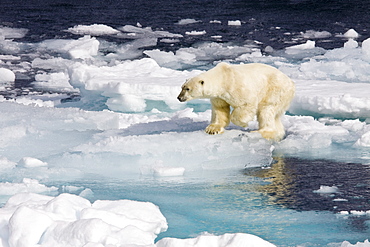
270,22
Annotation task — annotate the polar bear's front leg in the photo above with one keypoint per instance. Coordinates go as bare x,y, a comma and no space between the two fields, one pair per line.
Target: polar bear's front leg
220,117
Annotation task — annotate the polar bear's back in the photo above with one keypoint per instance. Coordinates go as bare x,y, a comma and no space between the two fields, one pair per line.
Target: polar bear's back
262,81
257,70
263,76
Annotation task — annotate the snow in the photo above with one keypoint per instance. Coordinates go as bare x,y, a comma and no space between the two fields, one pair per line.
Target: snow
129,124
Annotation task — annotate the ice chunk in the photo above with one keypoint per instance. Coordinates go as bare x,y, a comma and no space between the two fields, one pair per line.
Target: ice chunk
348,100
127,103
255,53
11,133
226,240
366,243
187,21
306,134
67,206
169,171
87,193
350,63
203,53
196,33
233,149
312,34
69,220
123,213
310,44
27,185
303,51
351,44
129,84
170,41
327,189
351,34
54,81
170,59
36,102
353,125
234,23
6,164
26,226
29,162
6,75
366,47
94,30
135,32
12,33
364,140
219,37
83,48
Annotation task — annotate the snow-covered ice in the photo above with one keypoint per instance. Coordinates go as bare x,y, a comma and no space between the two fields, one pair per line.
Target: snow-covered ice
70,220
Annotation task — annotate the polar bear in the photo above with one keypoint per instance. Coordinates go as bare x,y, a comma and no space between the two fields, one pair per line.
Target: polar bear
250,89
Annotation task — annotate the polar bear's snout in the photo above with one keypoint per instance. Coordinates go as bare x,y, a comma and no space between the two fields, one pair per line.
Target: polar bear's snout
182,97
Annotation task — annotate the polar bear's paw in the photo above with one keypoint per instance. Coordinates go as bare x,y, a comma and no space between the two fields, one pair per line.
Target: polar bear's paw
271,135
214,129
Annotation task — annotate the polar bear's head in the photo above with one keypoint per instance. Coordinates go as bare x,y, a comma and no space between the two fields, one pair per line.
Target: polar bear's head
205,85
192,89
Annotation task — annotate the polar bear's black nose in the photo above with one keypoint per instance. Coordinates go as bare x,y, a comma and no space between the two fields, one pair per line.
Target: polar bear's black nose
180,99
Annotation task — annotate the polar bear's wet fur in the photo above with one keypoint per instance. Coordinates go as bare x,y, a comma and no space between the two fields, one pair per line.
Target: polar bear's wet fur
250,89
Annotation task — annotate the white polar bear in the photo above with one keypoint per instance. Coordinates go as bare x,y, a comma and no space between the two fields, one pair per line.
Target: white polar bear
250,89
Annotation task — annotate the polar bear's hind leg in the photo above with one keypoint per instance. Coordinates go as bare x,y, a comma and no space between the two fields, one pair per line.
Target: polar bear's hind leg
270,125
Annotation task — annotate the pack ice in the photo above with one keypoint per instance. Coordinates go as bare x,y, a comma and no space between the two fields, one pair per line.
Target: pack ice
129,123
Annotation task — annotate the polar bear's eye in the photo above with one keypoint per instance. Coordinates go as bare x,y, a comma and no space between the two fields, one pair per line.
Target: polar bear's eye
187,89
201,82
